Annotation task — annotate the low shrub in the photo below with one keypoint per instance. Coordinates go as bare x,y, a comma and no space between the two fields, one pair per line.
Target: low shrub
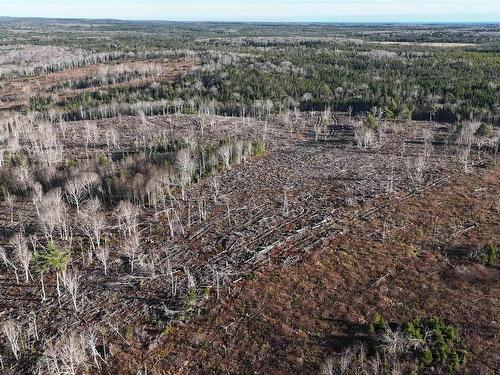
421,346
487,255
440,344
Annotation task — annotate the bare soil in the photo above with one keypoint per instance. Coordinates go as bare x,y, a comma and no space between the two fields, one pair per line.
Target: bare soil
286,319
16,92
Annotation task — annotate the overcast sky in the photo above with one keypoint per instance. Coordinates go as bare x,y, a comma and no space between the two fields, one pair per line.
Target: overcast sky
261,10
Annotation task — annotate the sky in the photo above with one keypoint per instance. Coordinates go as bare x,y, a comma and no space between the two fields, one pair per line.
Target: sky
261,10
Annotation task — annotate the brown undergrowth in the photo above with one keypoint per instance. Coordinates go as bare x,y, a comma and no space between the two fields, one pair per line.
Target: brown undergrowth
402,263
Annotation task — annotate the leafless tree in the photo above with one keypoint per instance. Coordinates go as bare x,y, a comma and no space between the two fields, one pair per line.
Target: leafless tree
416,169
464,158
90,341
226,200
364,136
53,215
214,184
62,127
45,145
191,282
10,200
93,221
131,249
22,253
174,221
389,187
36,196
238,151
23,178
428,138
112,139
91,133
318,128
80,187
67,356
155,192
247,151
396,342
33,326
186,167
225,155
127,214
7,262
12,331
202,209
103,256
285,209
71,281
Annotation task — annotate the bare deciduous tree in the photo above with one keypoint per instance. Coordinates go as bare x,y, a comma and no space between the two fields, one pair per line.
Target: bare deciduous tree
225,155
10,200
238,151
186,167
53,215
364,136
103,256
36,196
131,249
285,209
80,187
22,253
8,263
91,133
127,214
23,178
93,221
214,184
90,341
71,281
67,356
12,331
247,151
112,139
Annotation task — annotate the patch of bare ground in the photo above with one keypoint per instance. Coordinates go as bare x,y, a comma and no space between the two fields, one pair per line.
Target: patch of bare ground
427,44
399,261
15,93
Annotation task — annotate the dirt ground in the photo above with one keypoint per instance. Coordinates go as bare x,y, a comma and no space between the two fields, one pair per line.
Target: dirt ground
16,92
427,44
288,319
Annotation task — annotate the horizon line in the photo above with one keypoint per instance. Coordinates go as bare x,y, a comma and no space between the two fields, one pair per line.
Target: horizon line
236,21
